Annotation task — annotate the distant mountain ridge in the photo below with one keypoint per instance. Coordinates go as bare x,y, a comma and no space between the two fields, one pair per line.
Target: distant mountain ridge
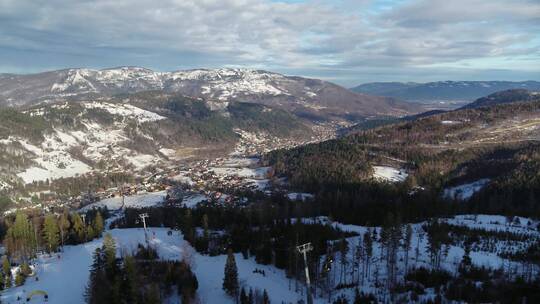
508,96
443,90
305,96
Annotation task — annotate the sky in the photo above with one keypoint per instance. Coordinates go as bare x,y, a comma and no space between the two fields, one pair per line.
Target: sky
345,41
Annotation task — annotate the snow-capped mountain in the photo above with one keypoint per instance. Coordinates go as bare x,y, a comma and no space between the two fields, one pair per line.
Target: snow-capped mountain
219,85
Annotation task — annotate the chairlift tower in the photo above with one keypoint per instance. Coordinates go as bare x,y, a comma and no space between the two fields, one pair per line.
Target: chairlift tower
143,217
304,249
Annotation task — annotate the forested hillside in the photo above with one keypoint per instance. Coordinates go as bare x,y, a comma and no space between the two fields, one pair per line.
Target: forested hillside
439,152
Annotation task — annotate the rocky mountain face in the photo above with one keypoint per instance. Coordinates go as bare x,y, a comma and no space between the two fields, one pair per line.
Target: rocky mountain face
308,97
443,90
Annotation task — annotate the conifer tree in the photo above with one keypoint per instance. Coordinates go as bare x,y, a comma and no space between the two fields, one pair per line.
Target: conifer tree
6,272
19,278
230,281
243,297
130,279
250,297
205,225
64,224
109,249
6,265
2,278
25,269
99,225
20,238
266,299
407,241
78,228
90,232
51,233
368,253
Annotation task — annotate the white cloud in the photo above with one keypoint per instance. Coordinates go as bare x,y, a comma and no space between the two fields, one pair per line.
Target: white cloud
305,36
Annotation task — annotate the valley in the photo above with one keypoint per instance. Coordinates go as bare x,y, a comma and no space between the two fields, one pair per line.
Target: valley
102,186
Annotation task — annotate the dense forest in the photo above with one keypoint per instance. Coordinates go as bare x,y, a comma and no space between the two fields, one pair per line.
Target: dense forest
436,155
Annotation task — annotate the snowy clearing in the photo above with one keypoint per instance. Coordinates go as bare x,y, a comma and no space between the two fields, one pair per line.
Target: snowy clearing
135,201
65,278
465,191
389,174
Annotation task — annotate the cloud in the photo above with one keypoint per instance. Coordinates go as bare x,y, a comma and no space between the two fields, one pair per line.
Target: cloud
303,36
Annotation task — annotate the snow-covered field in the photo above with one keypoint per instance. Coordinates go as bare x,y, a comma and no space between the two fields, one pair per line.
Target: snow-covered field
257,173
135,201
52,159
389,174
124,110
65,278
465,191
299,196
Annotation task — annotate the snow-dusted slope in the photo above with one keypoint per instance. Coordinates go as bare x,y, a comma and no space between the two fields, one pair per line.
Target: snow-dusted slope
81,137
222,85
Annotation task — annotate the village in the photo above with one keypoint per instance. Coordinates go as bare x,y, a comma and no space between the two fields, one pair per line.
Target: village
230,180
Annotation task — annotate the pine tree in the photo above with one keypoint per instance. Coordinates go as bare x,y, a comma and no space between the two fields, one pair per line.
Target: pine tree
130,283
19,278
99,225
266,299
6,272
90,232
6,265
250,297
20,238
109,250
51,233
64,224
243,297
407,241
25,269
189,232
368,253
343,249
153,296
2,279
78,228
205,226
230,280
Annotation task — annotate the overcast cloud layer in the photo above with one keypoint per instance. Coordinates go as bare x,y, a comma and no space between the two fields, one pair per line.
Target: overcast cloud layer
346,41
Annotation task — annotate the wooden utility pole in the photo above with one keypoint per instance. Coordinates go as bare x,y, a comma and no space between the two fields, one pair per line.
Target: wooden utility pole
304,249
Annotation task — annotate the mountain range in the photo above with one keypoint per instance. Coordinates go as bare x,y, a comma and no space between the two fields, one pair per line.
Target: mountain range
433,92
308,97
67,123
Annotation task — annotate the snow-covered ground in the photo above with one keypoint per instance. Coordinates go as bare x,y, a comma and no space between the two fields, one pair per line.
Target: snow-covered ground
389,174
191,201
465,191
54,157
257,173
65,278
299,196
135,201
124,110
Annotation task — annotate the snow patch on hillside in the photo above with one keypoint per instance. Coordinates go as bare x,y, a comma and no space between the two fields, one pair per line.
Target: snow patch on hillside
136,201
389,174
465,191
52,160
124,110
